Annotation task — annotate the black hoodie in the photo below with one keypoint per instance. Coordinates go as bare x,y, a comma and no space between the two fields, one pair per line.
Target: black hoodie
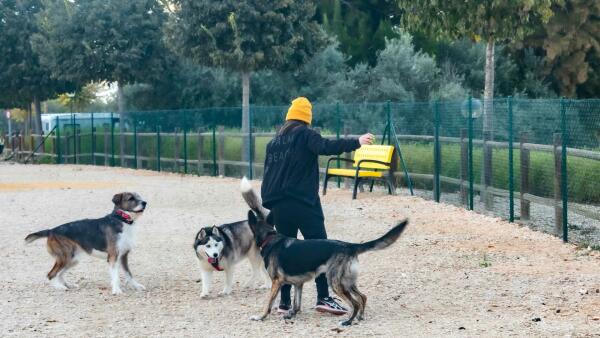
292,167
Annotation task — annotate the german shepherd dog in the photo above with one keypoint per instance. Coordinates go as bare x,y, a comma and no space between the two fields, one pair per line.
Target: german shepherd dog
111,237
292,261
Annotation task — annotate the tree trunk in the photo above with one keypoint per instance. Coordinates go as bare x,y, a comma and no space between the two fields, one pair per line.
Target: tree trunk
245,113
121,111
37,123
27,124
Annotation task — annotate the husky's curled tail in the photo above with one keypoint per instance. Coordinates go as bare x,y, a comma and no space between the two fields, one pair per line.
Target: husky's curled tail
251,197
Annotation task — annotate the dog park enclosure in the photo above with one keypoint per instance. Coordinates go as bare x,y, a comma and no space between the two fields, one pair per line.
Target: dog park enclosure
539,164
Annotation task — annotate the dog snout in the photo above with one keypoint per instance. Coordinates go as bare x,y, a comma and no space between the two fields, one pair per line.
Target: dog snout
215,255
144,204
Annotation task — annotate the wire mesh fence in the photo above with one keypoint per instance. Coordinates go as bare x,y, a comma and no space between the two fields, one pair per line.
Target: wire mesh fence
532,161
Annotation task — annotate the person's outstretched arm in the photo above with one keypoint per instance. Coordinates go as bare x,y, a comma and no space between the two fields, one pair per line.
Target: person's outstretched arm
322,146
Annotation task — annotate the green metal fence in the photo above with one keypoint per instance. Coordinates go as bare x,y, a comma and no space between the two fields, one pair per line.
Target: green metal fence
531,161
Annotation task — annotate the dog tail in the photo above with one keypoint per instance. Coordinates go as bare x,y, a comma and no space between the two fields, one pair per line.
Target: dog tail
382,242
37,235
253,199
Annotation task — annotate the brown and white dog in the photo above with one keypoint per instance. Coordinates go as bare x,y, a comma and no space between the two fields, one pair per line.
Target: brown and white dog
111,237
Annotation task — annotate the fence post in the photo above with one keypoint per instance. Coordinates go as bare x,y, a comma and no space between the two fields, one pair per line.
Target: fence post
57,142
250,144
176,151
558,212
74,138
67,145
214,145
199,150
221,150
464,166
524,169
157,147
135,145
436,153
486,179
470,122
337,137
511,176
564,188
106,140
93,141
112,140
185,151
348,156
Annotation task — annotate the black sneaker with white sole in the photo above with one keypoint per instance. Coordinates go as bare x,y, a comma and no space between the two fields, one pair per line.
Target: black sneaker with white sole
283,309
330,305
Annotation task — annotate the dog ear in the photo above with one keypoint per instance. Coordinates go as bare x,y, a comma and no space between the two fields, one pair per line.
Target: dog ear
270,219
201,234
117,198
252,220
215,230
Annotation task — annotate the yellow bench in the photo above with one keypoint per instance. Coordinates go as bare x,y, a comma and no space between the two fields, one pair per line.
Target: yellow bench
378,160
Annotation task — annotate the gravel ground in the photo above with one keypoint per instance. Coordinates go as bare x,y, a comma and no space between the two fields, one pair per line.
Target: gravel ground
453,273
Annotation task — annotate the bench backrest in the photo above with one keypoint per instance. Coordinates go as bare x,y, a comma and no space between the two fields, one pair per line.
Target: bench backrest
381,153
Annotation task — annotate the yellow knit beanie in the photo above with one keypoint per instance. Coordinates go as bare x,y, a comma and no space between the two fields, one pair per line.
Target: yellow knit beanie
301,110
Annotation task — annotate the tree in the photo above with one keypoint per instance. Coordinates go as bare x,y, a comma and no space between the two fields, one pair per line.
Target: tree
490,21
569,42
118,41
23,79
360,26
246,36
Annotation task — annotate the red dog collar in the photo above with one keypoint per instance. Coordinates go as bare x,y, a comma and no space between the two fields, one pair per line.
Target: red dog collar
123,216
266,241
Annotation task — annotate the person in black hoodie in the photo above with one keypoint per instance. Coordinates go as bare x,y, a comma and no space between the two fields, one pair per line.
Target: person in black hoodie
290,187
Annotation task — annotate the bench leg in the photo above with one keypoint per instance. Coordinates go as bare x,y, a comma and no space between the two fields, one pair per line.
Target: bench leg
325,184
356,183
371,187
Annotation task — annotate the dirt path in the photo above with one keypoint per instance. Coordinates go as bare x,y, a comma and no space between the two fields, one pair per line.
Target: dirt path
453,273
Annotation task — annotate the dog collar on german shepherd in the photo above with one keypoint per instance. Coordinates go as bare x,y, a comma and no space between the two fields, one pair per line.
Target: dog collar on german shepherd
267,240
123,217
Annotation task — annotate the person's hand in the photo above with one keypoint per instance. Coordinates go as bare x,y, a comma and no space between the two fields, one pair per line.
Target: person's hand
366,139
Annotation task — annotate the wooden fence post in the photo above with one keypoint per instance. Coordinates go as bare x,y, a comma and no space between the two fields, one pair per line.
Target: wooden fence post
200,150
487,196
557,183
138,151
524,169
68,149
221,150
106,142
464,165
177,150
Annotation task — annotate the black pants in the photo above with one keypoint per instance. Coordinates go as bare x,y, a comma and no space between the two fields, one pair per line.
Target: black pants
291,215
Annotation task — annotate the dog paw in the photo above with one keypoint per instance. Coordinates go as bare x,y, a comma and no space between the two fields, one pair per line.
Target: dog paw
257,318
265,286
59,286
289,315
225,293
71,286
345,323
136,286
204,295
117,291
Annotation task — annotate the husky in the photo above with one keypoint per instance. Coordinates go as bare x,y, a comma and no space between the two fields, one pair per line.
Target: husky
111,237
293,261
220,248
